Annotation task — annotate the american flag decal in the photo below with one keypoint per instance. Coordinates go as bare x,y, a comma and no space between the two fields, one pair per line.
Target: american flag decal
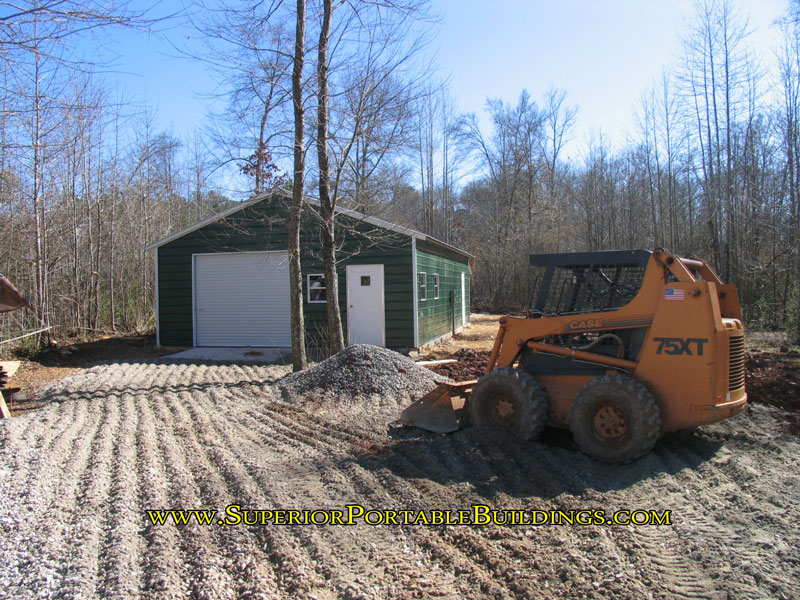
673,295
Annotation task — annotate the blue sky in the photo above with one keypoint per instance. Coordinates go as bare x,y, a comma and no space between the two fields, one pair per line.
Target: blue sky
604,53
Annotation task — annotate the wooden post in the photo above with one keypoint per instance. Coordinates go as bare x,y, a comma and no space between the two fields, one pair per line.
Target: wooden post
7,368
4,412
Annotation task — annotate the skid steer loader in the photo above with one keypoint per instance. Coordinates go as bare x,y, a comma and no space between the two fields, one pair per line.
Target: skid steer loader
619,346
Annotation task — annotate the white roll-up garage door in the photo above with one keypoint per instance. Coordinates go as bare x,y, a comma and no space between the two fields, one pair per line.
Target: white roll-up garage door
242,299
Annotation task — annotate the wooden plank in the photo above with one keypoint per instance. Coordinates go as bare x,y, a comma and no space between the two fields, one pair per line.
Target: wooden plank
430,363
10,367
4,412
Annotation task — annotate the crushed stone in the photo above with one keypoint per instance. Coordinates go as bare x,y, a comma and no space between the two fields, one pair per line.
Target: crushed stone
362,369
363,386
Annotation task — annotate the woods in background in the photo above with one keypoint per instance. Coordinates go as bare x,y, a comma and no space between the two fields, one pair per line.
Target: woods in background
711,167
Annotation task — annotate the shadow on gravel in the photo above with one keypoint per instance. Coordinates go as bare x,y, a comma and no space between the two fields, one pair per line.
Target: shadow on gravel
494,462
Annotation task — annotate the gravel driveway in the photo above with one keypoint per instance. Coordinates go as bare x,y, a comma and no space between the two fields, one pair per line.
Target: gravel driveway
77,477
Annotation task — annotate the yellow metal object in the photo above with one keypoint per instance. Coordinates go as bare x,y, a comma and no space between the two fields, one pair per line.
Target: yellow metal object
690,355
441,410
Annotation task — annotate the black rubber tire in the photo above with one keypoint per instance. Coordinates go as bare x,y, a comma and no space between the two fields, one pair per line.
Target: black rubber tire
615,419
512,399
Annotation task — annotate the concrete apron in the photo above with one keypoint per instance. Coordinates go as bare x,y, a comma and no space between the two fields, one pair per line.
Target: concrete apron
226,354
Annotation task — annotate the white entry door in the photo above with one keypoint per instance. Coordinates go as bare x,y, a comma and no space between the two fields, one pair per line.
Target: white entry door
242,299
365,311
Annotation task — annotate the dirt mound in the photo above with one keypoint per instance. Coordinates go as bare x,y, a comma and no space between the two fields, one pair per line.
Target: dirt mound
471,364
774,378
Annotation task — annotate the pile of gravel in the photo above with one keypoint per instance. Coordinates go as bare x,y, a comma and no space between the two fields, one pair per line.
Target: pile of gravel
362,370
362,386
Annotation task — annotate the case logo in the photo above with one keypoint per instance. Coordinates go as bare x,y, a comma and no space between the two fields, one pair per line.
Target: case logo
584,324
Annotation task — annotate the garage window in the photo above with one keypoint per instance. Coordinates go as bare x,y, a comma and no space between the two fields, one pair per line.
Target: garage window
423,286
316,289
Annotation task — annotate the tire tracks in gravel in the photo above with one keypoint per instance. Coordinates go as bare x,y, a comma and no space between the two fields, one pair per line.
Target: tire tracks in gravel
30,455
370,480
508,467
679,573
499,470
494,465
383,492
30,488
463,550
477,553
94,510
660,552
232,484
664,555
211,565
120,556
318,481
51,494
161,435
613,554
90,516
221,562
745,491
32,433
162,555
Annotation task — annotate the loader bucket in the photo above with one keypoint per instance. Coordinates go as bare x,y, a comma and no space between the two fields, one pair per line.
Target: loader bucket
441,410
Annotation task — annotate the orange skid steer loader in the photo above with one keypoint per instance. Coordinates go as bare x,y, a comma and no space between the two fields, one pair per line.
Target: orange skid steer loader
620,347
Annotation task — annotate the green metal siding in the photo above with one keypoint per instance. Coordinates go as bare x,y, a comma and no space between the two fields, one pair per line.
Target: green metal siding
262,226
435,316
398,299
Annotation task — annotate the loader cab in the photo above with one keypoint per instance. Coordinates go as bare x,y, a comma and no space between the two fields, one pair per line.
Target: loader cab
580,282
572,283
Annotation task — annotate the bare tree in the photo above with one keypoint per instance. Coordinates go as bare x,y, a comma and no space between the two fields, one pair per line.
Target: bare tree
717,82
327,202
295,273
440,157
365,68
40,65
513,219
559,119
789,65
248,49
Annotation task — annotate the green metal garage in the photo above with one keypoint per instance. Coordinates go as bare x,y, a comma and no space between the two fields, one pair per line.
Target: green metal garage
225,280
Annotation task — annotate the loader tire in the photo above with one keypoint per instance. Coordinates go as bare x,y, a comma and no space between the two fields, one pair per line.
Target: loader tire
512,399
615,419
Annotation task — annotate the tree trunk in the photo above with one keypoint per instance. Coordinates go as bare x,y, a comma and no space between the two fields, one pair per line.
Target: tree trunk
295,273
39,210
327,203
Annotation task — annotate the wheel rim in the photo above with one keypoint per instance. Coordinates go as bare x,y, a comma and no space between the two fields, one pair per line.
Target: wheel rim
501,410
610,423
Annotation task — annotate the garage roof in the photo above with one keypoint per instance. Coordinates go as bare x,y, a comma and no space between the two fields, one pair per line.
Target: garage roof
413,233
